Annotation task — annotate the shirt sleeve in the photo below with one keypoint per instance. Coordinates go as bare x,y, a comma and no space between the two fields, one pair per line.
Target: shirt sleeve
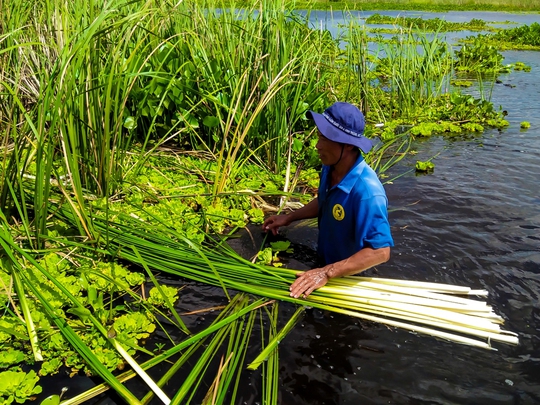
376,228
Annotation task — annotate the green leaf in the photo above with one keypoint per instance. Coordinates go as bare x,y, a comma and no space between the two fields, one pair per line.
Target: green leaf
135,324
130,123
211,121
50,367
188,118
297,145
51,400
265,256
19,385
81,312
160,298
273,344
280,246
424,166
11,357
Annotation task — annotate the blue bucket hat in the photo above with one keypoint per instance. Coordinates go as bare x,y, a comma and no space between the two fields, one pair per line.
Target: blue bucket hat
343,123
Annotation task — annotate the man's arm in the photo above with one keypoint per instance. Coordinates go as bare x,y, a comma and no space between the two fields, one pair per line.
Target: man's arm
273,223
362,260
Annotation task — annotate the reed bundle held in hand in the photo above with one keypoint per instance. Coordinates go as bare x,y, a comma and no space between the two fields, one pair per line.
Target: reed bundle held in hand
440,310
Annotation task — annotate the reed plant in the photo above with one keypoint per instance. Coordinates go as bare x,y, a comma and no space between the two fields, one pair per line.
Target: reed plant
152,73
360,61
258,70
216,264
147,72
415,72
68,96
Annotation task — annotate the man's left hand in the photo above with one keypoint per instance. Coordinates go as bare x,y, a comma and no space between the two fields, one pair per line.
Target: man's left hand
308,282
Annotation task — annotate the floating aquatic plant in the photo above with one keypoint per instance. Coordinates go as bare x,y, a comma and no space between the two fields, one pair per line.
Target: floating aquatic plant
18,386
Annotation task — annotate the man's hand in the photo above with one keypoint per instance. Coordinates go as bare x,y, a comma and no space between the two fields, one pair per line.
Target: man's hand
309,281
274,222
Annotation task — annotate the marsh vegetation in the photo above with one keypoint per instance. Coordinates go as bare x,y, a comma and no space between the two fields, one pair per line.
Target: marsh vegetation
138,137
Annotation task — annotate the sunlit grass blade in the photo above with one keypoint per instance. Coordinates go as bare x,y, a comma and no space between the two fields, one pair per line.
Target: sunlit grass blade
223,379
140,371
21,295
170,373
235,304
231,362
236,353
236,333
270,372
272,345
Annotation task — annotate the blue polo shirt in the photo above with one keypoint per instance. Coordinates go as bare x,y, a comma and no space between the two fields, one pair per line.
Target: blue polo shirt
353,214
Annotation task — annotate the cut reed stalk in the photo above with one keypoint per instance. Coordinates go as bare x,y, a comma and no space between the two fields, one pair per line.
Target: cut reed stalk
430,304
30,326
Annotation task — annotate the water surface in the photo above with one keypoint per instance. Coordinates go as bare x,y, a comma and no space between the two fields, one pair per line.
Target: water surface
476,222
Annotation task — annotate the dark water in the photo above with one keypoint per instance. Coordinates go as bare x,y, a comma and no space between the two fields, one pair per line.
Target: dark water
476,222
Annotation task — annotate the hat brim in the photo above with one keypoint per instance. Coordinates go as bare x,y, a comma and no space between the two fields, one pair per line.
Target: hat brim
337,135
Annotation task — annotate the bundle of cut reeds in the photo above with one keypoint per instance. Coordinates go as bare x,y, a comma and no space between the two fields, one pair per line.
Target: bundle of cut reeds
441,310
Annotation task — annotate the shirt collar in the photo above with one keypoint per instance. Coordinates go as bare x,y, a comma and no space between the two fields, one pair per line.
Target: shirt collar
346,184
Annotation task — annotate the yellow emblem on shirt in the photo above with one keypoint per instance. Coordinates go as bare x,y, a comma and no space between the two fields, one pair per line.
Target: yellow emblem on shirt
338,212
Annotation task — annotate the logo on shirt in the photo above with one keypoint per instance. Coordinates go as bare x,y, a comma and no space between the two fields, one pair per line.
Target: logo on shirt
338,212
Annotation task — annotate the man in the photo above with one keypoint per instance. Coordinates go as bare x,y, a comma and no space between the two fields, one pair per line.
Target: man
351,207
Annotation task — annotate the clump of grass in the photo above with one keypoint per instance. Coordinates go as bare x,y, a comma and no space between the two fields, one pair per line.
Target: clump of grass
524,37
431,24
461,83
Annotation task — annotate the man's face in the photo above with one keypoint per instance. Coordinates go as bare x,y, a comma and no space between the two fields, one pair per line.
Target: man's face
329,151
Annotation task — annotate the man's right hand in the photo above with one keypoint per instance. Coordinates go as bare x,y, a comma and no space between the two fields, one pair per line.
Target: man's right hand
274,222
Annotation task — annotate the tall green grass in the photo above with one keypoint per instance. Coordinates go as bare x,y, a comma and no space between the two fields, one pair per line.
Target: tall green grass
256,72
419,73
66,78
97,81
